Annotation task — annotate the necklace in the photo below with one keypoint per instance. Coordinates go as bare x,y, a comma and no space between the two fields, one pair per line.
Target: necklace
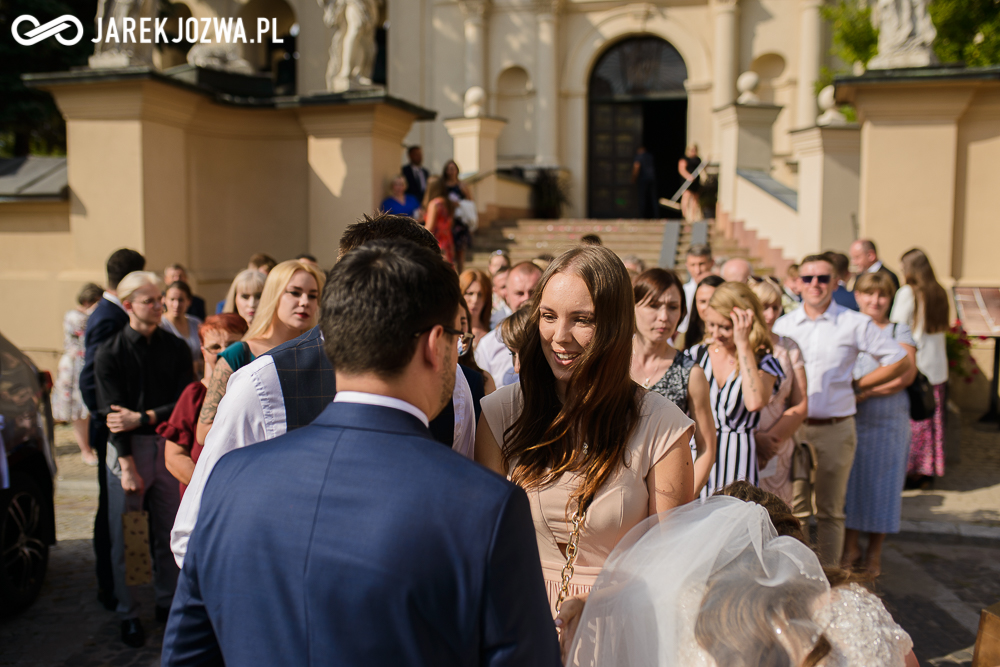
658,372
731,360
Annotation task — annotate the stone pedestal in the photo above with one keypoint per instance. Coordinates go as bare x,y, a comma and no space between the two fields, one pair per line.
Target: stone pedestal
475,152
829,161
746,143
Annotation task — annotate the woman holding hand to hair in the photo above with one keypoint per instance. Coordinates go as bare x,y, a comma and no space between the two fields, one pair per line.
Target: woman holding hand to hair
659,307
288,307
595,452
742,375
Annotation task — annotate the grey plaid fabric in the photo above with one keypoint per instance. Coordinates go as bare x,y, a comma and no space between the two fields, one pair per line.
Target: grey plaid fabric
306,375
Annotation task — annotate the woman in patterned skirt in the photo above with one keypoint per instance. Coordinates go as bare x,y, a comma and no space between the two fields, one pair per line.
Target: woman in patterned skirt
922,304
874,490
659,307
737,341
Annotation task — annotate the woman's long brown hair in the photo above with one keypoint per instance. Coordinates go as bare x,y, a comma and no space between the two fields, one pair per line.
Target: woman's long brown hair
931,298
601,408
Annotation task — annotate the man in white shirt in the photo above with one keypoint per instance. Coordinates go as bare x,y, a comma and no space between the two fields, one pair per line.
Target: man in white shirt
830,337
699,265
266,398
491,354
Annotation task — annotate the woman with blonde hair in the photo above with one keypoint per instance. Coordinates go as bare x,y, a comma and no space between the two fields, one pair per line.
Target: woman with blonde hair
243,296
596,452
788,406
288,308
742,375
922,305
477,288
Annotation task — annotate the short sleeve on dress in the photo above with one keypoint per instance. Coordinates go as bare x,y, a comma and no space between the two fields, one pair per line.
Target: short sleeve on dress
770,365
237,355
901,334
661,424
794,353
861,631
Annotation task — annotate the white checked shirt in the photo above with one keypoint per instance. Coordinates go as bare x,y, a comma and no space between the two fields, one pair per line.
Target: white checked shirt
253,410
830,345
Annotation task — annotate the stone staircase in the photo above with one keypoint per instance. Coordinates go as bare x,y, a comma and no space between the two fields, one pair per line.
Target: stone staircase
526,239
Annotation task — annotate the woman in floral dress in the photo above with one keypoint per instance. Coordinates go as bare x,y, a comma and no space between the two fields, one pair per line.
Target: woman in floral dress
67,403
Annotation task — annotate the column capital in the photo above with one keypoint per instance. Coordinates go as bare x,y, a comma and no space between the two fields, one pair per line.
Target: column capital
550,7
474,10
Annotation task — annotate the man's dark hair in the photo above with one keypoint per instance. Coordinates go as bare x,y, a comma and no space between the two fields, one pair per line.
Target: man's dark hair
262,261
379,298
308,257
414,147
816,258
121,263
591,239
841,264
700,250
386,226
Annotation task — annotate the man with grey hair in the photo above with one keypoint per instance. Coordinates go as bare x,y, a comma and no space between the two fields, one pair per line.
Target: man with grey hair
140,373
634,265
736,270
864,256
698,263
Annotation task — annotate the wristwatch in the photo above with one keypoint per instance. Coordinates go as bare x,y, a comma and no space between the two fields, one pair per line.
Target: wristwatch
144,419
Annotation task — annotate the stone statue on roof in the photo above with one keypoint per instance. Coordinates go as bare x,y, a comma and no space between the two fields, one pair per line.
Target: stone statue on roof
112,50
352,51
906,34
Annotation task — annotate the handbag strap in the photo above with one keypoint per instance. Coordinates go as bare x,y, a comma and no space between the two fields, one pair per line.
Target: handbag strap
571,552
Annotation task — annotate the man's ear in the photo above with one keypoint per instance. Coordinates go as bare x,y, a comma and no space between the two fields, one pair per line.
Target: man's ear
431,347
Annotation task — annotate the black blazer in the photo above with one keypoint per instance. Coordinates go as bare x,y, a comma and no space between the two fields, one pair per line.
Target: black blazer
413,184
892,276
106,320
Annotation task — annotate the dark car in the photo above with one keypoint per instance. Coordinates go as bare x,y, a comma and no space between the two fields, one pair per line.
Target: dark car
27,467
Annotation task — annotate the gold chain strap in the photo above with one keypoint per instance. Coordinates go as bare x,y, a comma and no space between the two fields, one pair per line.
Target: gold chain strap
571,550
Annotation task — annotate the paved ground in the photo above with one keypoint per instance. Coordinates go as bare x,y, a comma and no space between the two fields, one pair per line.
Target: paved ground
934,583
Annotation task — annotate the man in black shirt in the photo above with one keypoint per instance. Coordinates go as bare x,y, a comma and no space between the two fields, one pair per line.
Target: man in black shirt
140,373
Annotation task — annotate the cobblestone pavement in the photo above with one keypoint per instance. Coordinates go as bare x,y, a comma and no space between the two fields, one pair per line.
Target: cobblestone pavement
934,585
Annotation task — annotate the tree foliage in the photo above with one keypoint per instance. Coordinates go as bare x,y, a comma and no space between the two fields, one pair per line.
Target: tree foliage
29,119
855,39
967,31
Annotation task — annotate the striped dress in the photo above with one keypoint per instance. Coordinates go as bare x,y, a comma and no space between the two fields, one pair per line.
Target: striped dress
735,447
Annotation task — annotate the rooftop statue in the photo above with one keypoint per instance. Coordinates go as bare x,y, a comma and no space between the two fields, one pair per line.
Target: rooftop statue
113,50
352,51
906,34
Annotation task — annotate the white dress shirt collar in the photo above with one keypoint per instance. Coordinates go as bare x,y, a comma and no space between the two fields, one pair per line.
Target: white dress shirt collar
875,267
113,298
383,401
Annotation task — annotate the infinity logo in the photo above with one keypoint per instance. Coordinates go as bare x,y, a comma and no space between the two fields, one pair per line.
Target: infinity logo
53,27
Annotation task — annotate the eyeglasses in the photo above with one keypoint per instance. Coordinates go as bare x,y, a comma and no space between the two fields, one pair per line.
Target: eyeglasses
464,339
821,279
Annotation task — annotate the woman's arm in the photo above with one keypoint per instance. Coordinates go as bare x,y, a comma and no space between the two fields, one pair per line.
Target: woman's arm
797,411
179,463
900,383
682,169
757,385
489,385
700,405
430,219
487,451
465,191
216,390
671,481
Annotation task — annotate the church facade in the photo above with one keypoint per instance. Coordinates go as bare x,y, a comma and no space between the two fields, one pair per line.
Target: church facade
583,83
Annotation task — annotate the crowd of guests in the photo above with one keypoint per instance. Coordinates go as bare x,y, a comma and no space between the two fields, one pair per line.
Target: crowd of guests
610,393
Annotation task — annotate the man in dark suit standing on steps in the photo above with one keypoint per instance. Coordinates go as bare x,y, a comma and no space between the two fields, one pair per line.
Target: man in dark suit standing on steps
865,257
108,318
415,174
370,543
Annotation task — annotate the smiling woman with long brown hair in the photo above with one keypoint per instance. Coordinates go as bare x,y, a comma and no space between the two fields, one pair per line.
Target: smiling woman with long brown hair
591,447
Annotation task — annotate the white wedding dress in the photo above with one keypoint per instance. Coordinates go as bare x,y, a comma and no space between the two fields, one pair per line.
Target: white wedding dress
710,584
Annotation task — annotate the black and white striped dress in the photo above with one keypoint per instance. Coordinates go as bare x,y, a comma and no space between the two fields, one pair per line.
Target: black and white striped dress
735,447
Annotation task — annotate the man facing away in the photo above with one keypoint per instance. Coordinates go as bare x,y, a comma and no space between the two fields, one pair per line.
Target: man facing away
359,540
491,354
698,263
108,318
830,337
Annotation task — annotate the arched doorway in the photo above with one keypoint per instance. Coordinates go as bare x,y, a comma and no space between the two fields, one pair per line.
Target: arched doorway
636,98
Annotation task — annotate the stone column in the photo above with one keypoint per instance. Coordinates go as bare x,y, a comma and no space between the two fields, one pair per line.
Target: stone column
724,70
546,86
474,12
810,44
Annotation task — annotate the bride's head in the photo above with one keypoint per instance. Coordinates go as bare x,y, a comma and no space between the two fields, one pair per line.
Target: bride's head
574,373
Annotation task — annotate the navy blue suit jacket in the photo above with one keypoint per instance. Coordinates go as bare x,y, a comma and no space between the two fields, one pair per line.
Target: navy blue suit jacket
845,298
106,320
358,540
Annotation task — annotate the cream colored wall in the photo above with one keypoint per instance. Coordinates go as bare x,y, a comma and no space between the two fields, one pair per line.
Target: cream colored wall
977,203
772,219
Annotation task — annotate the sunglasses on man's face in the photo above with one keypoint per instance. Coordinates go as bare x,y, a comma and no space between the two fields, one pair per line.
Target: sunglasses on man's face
821,279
